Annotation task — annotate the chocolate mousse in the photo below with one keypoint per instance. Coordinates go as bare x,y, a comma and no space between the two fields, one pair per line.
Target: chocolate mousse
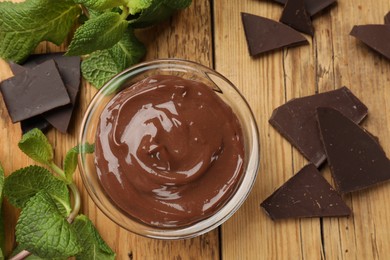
169,151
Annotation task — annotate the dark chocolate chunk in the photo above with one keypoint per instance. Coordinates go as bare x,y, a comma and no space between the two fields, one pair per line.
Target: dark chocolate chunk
34,92
313,6
295,15
263,34
296,120
376,36
69,68
387,18
35,122
356,159
306,194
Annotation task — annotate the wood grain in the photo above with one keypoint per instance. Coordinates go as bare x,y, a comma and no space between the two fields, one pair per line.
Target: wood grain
332,59
211,33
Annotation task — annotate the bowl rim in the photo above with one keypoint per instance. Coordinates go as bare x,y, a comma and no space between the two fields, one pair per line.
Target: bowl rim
161,234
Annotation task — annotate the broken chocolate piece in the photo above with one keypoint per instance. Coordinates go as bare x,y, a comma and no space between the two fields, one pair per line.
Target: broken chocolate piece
296,120
387,18
32,92
376,36
295,15
35,122
263,34
313,6
356,159
306,194
69,69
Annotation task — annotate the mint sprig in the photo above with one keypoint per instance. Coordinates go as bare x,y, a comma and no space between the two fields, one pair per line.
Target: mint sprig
43,230
106,34
45,227
24,25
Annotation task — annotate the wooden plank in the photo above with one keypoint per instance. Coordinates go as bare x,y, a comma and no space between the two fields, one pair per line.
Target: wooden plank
332,60
184,36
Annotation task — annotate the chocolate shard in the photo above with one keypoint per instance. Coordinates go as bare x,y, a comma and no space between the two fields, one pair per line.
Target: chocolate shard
294,15
306,194
376,36
356,159
387,18
69,68
296,120
313,6
31,93
263,34
35,122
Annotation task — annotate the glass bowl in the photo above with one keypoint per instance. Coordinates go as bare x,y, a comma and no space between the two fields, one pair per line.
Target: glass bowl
188,70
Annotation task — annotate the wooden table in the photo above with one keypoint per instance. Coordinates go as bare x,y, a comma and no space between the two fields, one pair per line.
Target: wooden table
210,32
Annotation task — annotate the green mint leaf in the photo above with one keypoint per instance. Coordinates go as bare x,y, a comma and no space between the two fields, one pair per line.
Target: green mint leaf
19,249
100,5
93,246
101,66
98,33
156,12
178,4
43,231
24,25
23,184
70,161
36,146
136,6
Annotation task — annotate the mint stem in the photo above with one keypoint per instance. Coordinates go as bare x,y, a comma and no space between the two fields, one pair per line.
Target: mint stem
77,202
59,172
22,255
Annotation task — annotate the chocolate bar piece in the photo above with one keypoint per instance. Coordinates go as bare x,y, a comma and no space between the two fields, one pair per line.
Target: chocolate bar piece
313,6
294,15
69,69
387,18
296,120
34,92
263,34
306,194
376,36
35,122
356,159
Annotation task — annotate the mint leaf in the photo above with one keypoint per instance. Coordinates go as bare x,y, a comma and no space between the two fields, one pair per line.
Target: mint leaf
36,146
19,249
70,161
100,5
93,246
98,33
101,66
156,12
178,4
43,231
24,25
23,184
136,6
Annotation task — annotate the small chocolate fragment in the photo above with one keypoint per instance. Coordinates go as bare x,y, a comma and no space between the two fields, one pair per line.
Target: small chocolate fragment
35,122
387,18
306,194
313,6
295,15
376,36
34,92
356,159
296,120
69,69
263,34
